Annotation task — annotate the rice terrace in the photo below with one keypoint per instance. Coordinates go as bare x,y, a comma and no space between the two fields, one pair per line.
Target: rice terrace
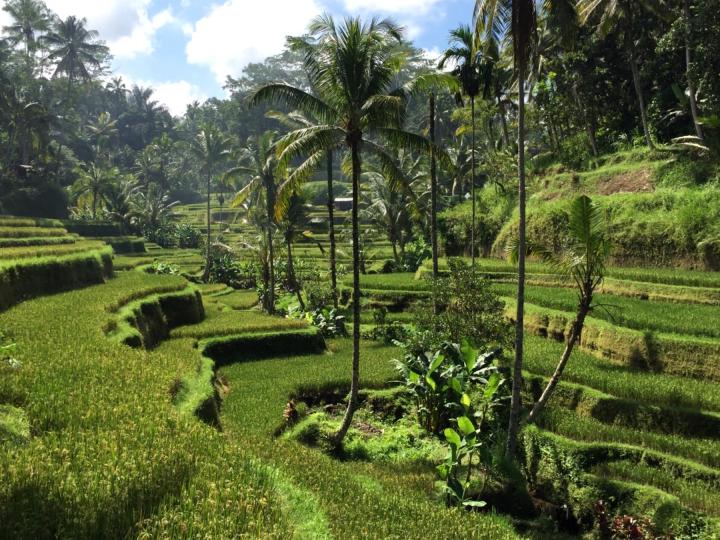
357,269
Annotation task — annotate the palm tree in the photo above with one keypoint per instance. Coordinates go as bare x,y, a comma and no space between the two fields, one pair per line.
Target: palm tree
622,15
431,83
517,19
102,130
94,179
297,120
259,161
583,260
29,18
466,54
74,49
210,148
352,68
692,95
151,208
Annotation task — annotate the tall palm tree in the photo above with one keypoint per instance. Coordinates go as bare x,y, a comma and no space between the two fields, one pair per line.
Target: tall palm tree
465,53
431,83
517,19
259,161
74,49
692,94
622,15
296,120
210,148
29,18
352,68
102,131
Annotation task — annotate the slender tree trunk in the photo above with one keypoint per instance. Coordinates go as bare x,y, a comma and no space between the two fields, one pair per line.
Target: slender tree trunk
503,120
355,381
291,277
572,340
94,204
638,90
688,70
331,229
271,268
472,177
393,243
516,401
433,191
586,120
206,273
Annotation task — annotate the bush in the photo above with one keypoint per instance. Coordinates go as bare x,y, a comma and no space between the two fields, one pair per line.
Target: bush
226,268
164,235
416,252
188,236
466,309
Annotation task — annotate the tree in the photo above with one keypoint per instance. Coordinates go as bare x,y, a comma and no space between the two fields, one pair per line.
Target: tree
466,54
259,161
583,260
622,16
431,83
29,18
352,68
94,179
74,49
210,148
517,19
692,94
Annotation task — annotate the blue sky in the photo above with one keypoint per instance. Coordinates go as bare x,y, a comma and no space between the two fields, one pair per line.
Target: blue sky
185,48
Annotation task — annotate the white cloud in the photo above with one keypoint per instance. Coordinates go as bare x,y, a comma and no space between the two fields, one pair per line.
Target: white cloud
126,25
416,7
238,32
5,19
176,95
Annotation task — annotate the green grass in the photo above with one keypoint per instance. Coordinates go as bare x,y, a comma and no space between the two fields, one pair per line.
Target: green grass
688,319
227,323
49,250
650,388
31,232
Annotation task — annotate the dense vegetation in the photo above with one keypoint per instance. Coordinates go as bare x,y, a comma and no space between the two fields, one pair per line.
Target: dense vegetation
367,294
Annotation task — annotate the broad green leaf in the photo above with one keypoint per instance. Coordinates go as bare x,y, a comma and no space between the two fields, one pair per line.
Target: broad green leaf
414,377
431,382
452,437
469,354
466,425
475,504
436,363
465,401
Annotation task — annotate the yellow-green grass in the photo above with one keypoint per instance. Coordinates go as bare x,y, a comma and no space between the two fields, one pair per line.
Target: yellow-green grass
240,300
40,241
664,390
31,232
226,323
359,500
8,253
12,221
110,457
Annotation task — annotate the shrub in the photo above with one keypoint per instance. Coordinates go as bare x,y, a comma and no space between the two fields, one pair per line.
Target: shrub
416,252
164,235
466,309
226,268
187,236
388,333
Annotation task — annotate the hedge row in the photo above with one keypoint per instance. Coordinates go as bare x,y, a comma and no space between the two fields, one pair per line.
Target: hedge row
31,232
36,241
28,278
124,244
12,221
696,357
612,410
95,229
148,321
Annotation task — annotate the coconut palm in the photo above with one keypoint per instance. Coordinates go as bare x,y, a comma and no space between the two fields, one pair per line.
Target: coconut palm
430,84
102,130
622,16
258,161
29,18
93,180
296,120
74,49
352,68
497,20
582,260
211,149
465,53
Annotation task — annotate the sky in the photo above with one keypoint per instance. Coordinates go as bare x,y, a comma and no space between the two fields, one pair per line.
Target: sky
185,49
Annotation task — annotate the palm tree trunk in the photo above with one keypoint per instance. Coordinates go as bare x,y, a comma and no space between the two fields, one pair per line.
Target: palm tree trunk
688,64
503,120
331,229
572,340
472,177
355,381
292,279
516,401
206,273
94,203
271,269
638,91
433,191
586,120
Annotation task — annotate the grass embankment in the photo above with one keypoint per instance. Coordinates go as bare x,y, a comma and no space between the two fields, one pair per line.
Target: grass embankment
109,455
